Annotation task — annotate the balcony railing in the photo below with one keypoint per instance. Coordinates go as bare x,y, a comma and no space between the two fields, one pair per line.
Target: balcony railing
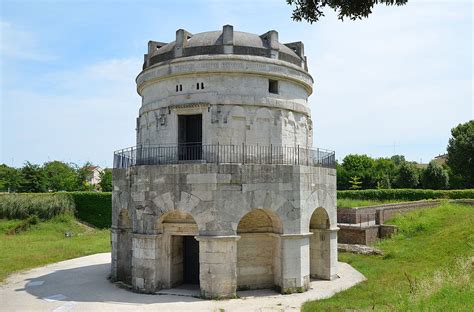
223,154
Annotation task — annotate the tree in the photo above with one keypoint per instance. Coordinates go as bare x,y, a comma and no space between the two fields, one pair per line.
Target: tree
83,174
33,179
408,176
355,183
10,179
106,180
435,177
461,153
312,10
60,176
361,166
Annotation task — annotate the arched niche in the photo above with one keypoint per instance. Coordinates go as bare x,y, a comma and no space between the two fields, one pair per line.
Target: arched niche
258,250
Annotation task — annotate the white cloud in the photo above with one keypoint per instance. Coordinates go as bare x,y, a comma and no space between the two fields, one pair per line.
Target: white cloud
20,44
90,113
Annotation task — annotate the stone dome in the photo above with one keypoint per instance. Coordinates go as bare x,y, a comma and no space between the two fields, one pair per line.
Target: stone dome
226,41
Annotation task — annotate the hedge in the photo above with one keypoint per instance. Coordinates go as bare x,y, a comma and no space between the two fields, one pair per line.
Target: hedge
93,207
406,194
43,205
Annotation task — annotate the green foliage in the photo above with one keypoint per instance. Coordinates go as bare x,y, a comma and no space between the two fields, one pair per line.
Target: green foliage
427,266
33,179
95,208
312,11
60,176
408,176
354,203
10,179
45,243
405,194
45,206
461,152
106,180
82,175
435,177
355,183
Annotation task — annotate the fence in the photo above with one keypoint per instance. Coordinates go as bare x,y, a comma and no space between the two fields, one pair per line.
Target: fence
233,154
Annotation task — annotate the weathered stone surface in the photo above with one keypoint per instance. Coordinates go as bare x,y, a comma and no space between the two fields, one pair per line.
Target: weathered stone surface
256,225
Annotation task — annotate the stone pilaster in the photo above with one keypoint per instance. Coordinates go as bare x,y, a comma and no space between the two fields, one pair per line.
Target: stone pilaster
218,266
146,255
121,241
295,262
323,249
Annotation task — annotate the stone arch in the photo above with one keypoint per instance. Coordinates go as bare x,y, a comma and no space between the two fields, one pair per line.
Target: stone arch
180,249
323,246
258,250
319,219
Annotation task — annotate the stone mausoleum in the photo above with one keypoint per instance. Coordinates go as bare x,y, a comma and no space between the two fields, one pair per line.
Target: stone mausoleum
223,188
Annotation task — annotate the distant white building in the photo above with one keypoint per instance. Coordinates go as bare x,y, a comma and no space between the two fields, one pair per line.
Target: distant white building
94,177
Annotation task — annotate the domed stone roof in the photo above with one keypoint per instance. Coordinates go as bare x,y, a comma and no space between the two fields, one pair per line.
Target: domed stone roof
210,38
226,41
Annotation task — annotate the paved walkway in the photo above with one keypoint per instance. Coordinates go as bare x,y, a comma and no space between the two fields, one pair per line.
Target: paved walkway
80,285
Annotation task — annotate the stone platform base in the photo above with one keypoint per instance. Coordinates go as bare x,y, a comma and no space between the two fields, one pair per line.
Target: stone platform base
81,285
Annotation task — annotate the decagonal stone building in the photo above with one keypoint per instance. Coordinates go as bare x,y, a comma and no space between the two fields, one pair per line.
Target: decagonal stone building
224,188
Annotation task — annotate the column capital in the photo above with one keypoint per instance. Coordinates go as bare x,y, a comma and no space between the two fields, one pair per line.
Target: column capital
217,237
296,235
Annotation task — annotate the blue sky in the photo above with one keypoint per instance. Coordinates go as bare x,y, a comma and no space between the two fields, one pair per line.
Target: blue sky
396,82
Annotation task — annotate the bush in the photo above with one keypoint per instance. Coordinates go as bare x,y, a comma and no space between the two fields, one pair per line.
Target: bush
94,208
406,194
45,206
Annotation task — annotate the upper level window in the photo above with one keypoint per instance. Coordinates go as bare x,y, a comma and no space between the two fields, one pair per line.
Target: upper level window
179,88
200,86
273,86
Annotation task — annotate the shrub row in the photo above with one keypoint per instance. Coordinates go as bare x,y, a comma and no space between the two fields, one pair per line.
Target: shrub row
406,194
43,205
91,207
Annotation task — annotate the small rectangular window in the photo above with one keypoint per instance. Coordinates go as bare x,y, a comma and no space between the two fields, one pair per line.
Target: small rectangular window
202,85
176,88
273,86
180,87
197,85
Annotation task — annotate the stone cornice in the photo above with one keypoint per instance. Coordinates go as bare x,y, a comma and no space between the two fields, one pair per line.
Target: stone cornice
225,65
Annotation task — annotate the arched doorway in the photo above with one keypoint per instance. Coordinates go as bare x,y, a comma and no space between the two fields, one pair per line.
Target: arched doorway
322,256
180,258
258,250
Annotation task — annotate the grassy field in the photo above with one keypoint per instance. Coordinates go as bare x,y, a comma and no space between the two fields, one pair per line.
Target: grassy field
353,203
428,266
45,242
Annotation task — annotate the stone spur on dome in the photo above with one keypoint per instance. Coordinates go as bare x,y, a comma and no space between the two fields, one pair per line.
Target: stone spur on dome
223,188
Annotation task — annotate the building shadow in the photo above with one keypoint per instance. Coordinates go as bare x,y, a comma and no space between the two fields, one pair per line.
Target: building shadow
90,284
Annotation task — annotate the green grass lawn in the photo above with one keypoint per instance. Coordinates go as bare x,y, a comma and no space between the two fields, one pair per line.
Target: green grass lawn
353,203
45,242
427,266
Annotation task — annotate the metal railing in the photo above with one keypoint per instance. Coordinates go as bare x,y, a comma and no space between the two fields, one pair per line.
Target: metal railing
232,154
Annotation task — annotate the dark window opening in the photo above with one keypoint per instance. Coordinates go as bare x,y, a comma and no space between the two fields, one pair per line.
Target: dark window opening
202,85
180,87
190,137
197,85
176,88
273,86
